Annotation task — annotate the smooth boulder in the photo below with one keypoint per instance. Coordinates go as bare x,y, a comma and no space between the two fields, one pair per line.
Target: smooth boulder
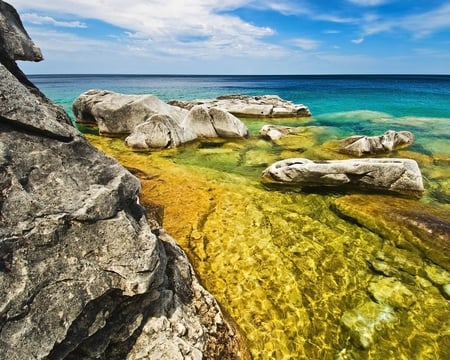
162,132
119,114
395,175
368,145
158,132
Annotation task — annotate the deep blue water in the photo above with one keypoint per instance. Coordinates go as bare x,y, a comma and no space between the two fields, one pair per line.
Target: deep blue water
363,104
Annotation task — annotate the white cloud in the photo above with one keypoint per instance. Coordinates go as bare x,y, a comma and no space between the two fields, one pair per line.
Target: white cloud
40,20
357,41
306,44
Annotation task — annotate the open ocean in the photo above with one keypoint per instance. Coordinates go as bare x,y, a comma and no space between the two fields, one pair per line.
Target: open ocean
300,279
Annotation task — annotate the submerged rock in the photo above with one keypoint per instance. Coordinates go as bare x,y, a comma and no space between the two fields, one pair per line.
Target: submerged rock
365,322
407,223
81,273
368,145
395,175
270,106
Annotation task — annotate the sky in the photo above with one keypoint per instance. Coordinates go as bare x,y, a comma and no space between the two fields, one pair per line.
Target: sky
238,36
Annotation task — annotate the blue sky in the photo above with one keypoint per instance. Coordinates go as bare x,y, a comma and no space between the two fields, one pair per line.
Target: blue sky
238,36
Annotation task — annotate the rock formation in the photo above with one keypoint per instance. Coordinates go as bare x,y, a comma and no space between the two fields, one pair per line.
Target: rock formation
367,145
150,122
270,106
394,175
82,274
276,132
119,114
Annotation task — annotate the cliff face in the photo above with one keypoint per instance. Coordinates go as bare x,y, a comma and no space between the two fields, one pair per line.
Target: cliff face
82,274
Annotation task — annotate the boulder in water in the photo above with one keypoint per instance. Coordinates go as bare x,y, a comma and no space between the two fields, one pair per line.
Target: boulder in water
394,175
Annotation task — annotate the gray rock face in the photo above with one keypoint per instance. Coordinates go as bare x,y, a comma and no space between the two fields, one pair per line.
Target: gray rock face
119,114
81,273
270,106
15,44
158,132
395,175
364,145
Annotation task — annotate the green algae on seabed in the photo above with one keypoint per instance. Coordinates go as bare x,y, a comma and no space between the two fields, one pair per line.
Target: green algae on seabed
286,265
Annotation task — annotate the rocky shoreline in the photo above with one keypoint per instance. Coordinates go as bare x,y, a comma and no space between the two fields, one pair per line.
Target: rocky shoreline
82,273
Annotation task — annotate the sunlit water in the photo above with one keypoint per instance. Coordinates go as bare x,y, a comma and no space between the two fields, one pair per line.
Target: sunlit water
300,278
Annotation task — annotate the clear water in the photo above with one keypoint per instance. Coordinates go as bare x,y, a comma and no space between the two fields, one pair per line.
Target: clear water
290,270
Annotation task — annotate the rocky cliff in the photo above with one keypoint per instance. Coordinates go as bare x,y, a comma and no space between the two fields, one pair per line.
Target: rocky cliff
82,274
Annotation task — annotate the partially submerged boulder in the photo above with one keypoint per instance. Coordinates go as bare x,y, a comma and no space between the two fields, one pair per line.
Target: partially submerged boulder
276,132
270,106
119,114
395,175
368,145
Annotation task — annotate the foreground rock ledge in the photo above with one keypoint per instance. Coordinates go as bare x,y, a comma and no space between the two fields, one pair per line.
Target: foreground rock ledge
395,175
82,274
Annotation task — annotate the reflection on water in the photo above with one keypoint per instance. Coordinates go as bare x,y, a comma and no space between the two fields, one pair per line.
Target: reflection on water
302,274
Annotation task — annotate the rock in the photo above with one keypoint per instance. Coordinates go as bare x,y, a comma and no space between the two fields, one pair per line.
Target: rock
395,175
270,106
276,132
227,125
365,322
81,273
158,132
369,145
409,224
391,292
119,114
161,131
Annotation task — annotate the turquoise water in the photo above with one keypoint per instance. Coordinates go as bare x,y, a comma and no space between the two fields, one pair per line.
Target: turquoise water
348,104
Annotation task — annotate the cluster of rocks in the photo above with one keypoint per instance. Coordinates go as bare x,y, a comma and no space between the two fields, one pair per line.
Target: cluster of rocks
82,273
152,123
270,106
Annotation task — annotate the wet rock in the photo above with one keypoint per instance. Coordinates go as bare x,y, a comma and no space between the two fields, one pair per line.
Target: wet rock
369,145
270,106
119,114
391,291
394,175
276,132
365,322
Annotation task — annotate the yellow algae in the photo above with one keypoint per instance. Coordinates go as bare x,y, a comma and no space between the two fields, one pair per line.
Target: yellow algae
287,265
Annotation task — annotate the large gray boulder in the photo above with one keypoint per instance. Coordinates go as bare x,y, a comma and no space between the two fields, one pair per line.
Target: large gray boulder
368,145
269,106
395,175
161,131
158,132
119,114
82,274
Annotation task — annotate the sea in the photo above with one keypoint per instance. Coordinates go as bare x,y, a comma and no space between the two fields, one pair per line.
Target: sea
304,275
